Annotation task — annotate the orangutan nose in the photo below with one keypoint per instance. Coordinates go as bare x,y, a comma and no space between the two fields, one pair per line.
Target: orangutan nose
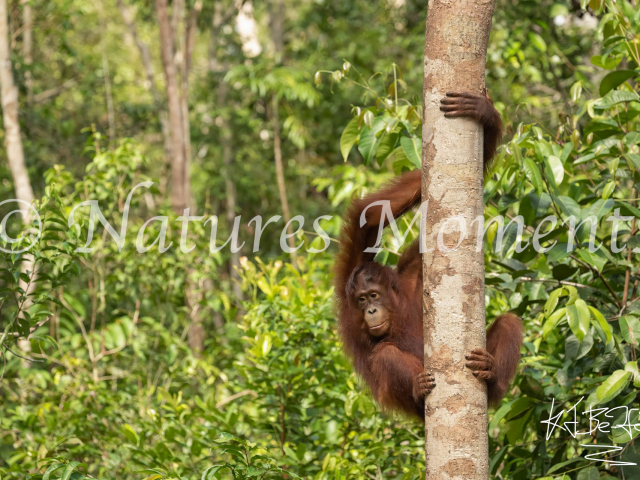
372,311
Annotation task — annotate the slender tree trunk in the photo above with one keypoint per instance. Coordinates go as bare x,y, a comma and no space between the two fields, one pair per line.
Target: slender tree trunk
145,57
13,140
226,140
27,50
277,34
143,49
107,80
177,12
189,42
179,200
282,189
276,11
456,442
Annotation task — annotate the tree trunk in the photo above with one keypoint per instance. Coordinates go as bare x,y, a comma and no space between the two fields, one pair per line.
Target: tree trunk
282,189
13,140
276,11
107,79
179,199
226,140
27,50
145,57
189,42
456,442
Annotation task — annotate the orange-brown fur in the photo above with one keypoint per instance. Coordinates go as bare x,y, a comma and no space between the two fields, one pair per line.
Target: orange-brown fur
392,364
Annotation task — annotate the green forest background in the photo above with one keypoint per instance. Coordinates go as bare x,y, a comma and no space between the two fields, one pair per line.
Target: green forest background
116,364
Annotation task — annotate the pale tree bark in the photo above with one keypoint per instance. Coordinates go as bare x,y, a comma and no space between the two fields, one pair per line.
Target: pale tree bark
12,135
456,442
179,194
177,11
277,35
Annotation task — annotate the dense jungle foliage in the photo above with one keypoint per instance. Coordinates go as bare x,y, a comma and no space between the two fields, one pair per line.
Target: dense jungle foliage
189,364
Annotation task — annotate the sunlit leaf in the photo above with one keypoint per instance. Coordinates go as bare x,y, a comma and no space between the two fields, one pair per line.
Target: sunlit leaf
613,79
349,137
533,174
630,329
602,322
413,150
612,386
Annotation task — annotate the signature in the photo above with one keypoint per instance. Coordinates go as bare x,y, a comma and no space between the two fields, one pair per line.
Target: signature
597,423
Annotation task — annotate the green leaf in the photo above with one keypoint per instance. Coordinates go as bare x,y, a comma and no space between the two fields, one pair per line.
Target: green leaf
533,174
400,161
612,386
500,414
566,151
51,469
596,259
576,91
538,42
559,466
578,316
559,252
209,473
632,367
131,434
613,79
532,387
615,97
387,144
632,138
589,473
412,147
369,140
68,470
608,189
368,118
568,206
553,321
596,316
626,209
630,329
557,169
558,9
552,302
599,209
633,160
576,349
607,63
368,144
573,294
349,137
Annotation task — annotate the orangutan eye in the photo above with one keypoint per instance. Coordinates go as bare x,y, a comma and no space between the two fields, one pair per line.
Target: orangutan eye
361,299
374,295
